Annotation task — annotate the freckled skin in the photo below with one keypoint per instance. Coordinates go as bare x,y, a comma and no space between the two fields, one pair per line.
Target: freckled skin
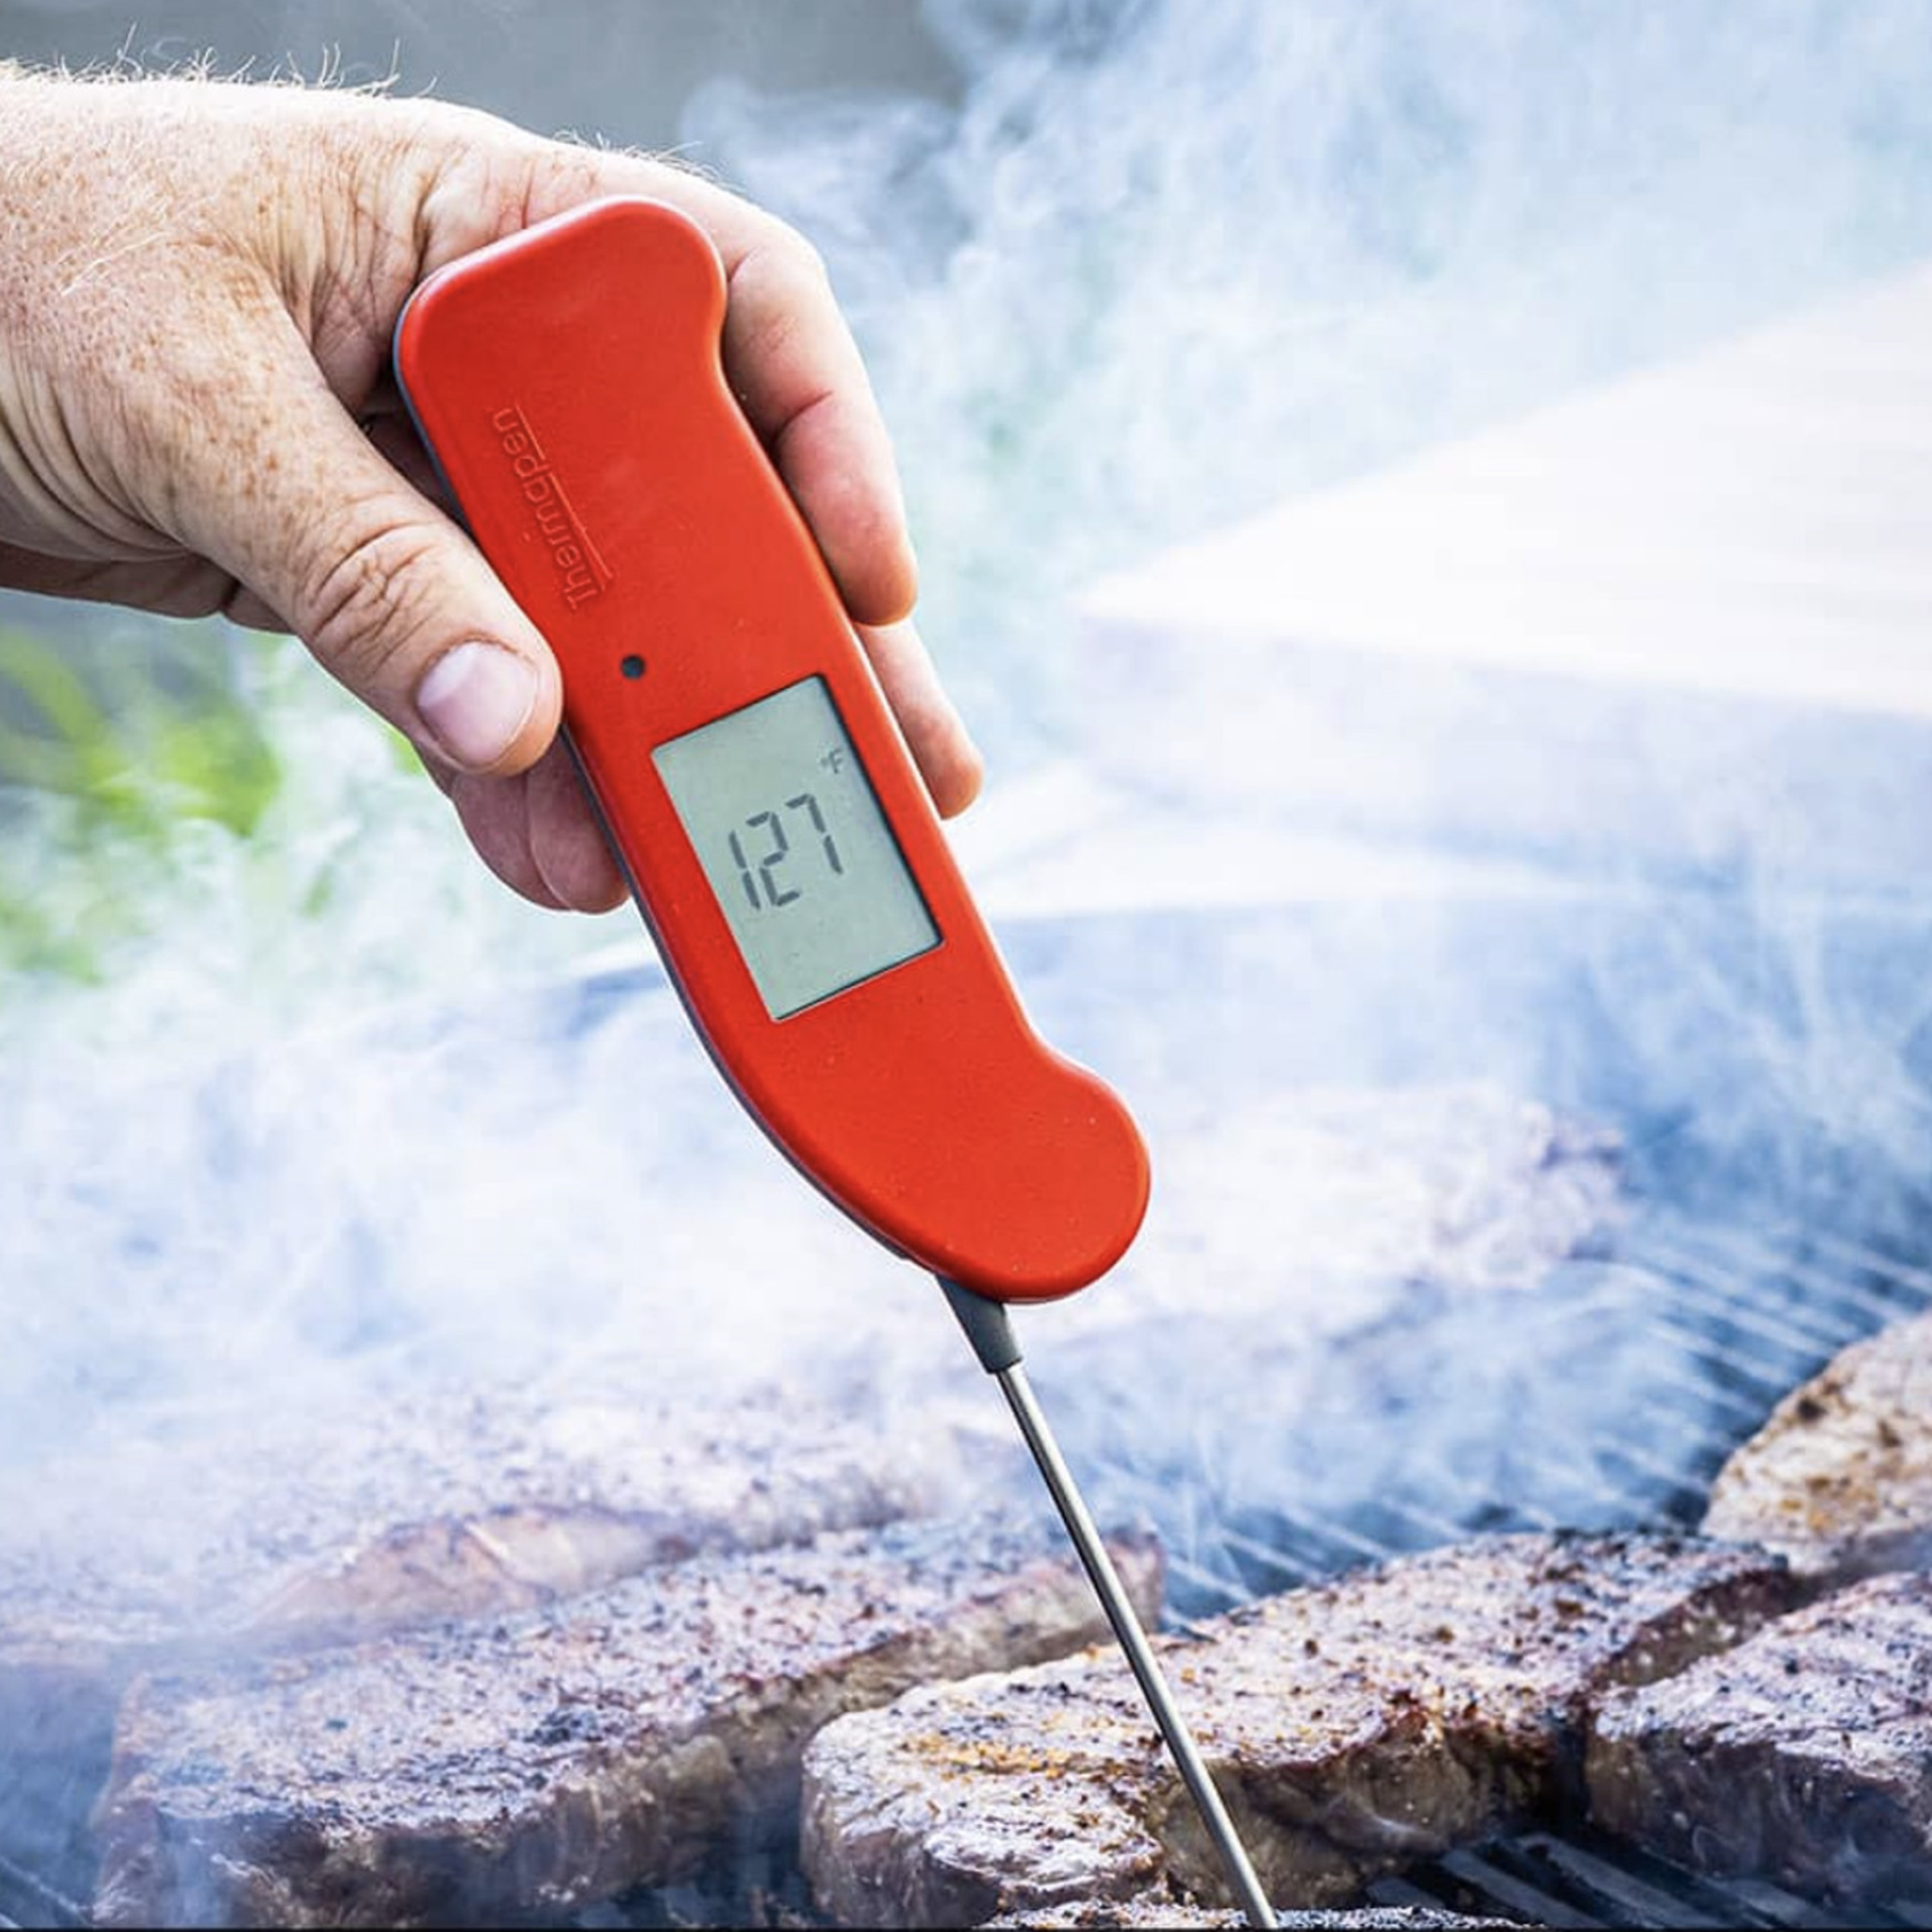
198,282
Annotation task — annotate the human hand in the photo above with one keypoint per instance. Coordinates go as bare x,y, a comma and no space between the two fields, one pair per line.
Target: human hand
198,282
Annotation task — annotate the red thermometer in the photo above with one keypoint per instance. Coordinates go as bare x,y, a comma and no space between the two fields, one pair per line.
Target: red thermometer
774,829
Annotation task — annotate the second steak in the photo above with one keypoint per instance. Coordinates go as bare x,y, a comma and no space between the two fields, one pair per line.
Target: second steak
1353,1728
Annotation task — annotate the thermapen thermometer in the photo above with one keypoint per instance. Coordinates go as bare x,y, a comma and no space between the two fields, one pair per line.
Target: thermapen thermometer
774,829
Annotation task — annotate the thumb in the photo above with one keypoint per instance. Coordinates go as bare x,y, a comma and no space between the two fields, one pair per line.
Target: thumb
287,493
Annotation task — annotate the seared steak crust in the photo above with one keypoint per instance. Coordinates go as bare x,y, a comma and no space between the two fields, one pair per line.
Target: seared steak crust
1840,1477
559,1757
1804,1755
462,1507
1353,1728
395,1517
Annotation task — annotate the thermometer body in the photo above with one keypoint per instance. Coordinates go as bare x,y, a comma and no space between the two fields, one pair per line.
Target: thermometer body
774,830
775,833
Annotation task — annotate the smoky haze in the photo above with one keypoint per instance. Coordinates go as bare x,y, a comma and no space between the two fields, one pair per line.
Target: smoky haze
1163,264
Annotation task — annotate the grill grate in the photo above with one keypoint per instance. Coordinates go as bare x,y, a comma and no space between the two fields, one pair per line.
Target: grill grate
1728,1320
1581,1880
27,1899
1725,1322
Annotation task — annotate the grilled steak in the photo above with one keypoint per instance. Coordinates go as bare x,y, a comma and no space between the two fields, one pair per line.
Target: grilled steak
560,1757
1840,1478
383,1521
1352,1728
1463,1183
462,1507
1804,1755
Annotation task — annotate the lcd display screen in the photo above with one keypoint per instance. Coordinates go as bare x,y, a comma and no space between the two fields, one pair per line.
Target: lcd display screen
791,836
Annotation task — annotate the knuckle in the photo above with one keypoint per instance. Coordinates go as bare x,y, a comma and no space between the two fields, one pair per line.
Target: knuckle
783,328
369,598
783,266
797,261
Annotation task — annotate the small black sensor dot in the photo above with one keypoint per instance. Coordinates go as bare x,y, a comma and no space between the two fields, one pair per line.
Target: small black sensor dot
632,667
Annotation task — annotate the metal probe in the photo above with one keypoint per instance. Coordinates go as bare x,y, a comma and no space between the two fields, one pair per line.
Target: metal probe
990,1331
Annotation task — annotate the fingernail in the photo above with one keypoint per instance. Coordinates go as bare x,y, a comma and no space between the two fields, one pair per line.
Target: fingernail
475,700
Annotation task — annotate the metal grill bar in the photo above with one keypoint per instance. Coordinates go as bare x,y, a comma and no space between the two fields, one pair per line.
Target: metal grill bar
1777,1907
1587,1880
1632,1891
1786,1325
1862,1289
1682,1366
1763,1341
1745,1394
1270,1554
38,1903
1402,1894
1612,1894
1209,1588
1471,1873
1886,1267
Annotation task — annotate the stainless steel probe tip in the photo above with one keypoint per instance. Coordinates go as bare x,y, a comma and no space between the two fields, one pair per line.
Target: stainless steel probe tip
989,1329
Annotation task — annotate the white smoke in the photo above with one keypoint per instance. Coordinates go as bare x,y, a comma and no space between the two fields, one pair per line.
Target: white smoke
1156,265
1169,262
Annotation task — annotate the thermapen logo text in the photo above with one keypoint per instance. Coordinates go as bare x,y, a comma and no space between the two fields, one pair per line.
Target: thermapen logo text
583,575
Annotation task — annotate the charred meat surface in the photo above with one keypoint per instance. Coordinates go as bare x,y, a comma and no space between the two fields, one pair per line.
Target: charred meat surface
327,1529
548,1760
1353,1728
1804,1755
325,1532
1840,1478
